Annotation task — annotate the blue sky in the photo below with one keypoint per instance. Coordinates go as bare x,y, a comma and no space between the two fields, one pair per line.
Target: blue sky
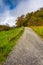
11,9
9,4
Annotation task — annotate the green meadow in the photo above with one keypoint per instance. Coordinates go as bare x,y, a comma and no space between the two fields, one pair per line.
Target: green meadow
8,40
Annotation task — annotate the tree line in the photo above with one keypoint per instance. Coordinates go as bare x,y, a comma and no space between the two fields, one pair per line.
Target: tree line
31,19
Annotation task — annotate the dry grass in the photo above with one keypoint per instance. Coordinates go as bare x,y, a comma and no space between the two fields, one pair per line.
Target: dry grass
38,30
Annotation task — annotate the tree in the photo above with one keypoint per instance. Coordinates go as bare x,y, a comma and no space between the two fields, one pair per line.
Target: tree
19,21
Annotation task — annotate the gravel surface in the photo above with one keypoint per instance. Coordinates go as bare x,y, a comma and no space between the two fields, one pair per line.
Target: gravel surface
28,51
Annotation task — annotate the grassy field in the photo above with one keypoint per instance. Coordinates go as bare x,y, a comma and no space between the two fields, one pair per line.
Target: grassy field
38,30
8,39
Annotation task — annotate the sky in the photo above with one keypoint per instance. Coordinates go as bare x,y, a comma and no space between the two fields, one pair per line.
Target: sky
11,9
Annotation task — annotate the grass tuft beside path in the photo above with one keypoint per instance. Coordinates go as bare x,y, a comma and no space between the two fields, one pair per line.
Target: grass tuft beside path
8,40
38,30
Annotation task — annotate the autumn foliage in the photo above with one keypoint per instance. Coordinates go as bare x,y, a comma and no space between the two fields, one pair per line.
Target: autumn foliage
31,19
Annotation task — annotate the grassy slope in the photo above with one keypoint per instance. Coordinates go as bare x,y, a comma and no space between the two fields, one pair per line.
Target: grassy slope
39,30
8,39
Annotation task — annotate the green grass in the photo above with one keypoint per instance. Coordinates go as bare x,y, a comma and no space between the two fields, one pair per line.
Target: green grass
38,30
8,40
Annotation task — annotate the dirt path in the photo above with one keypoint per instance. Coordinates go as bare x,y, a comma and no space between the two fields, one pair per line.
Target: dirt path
28,51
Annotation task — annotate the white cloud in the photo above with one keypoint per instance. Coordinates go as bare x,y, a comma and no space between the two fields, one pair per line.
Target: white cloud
10,20
7,19
27,6
22,8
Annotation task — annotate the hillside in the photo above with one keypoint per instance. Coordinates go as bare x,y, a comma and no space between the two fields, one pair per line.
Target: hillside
4,27
31,19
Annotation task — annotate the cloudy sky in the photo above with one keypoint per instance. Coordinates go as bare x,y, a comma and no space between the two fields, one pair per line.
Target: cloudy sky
11,9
